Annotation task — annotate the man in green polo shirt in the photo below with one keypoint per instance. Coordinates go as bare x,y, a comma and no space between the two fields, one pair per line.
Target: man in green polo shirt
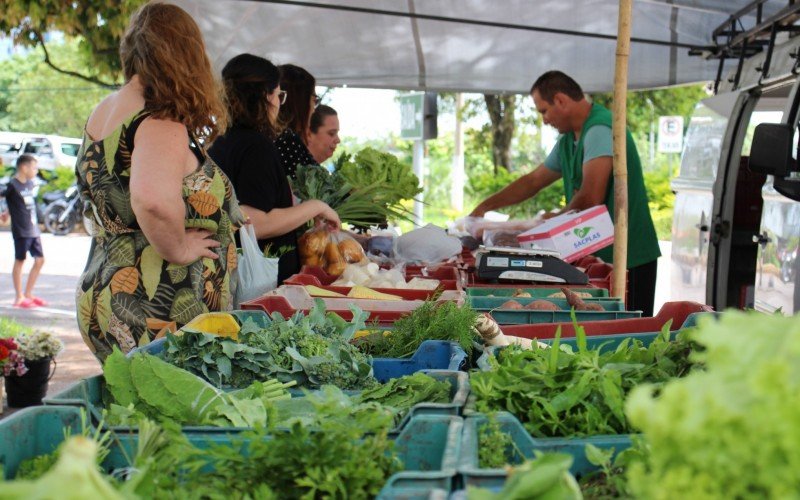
583,158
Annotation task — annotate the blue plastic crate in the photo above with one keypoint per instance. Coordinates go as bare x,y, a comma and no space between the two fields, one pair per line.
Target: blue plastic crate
473,475
430,355
536,293
493,303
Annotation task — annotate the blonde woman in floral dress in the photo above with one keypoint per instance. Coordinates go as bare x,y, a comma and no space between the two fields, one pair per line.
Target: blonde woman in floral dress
161,213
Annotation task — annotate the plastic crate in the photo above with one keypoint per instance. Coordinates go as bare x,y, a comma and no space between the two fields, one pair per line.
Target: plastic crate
405,293
288,300
473,475
529,317
536,292
494,303
448,276
677,312
430,355
90,394
429,446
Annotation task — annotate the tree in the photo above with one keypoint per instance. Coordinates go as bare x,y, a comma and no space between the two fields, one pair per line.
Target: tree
35,98
98,24
501,113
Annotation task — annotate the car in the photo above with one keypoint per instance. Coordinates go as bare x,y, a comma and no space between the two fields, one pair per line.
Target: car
52,151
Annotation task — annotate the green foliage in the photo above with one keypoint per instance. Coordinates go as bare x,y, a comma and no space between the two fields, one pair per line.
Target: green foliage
11,328
59,180
404,392
371,167
99,26
661,200
310,350
546,477
35,98
730,430
495,447
556,392
147,386
483,184
431,321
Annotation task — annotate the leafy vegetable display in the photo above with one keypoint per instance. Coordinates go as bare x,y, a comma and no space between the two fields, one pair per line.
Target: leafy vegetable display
145,385
557,392
370,167
431,321
310,350
730,430
341,451
405,392
361,205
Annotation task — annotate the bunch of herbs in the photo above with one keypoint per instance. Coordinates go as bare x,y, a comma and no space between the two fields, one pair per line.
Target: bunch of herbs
555,392
431,321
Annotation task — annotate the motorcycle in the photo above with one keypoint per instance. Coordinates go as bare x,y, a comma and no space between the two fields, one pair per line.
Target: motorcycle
61,216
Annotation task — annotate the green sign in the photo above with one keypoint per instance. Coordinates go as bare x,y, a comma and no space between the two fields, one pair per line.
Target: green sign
411,115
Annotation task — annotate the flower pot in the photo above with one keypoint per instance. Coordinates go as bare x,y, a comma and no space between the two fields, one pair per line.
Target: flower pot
29,389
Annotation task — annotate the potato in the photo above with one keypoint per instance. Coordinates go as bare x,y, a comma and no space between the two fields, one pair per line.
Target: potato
351,250
519,293
510,304
335,262
542,305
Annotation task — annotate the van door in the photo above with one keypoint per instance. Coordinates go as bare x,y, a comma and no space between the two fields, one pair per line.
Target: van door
693,189
738,200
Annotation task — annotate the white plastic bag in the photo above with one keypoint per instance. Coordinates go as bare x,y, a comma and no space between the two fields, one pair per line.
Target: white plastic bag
257,274
427,245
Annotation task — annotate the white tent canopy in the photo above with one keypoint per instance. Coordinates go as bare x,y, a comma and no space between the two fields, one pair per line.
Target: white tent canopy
467,45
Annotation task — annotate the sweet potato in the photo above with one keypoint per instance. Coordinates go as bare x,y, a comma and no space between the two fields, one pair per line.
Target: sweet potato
542,305
578,303
510,304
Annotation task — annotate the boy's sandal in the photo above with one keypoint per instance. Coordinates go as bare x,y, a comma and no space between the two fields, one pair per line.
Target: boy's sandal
38,301
26,304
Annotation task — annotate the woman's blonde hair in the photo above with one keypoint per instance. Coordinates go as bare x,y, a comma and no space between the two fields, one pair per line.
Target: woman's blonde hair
164,47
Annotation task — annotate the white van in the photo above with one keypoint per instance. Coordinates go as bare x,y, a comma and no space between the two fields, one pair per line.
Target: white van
51,150
736,226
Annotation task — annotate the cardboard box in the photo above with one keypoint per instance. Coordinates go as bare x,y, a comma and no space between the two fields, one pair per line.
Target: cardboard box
573,235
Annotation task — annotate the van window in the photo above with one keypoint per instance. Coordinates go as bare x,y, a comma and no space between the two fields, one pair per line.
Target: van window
70,149
703,142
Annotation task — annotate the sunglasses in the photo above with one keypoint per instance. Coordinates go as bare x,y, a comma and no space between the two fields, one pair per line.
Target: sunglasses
282,96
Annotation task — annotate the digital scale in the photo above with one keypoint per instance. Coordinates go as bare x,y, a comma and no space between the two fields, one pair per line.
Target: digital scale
519,264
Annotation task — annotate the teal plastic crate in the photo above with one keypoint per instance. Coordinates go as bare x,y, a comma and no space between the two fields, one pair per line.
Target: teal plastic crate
536,293
429,446
525,317
473,475
89,394
493,303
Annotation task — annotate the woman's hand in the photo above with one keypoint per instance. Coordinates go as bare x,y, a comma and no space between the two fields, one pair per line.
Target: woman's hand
328,216
197,243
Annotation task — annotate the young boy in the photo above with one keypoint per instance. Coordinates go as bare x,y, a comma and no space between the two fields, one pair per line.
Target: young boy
21,200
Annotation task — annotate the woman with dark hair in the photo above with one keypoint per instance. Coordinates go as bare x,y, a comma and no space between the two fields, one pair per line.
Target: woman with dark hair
247,154
295,116
323,133
161,214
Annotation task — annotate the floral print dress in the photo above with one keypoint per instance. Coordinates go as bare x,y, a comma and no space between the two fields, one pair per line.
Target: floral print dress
128,294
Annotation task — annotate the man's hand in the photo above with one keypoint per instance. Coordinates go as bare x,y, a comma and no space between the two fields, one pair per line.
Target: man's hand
4,217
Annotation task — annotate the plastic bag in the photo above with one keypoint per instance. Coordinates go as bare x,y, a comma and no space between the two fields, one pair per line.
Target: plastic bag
257,274
330,251
427,245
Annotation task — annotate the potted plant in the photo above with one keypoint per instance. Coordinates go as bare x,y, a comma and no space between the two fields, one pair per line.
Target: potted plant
10,360
26,380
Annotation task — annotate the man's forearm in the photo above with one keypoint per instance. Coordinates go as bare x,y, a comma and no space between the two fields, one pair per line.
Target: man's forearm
516,192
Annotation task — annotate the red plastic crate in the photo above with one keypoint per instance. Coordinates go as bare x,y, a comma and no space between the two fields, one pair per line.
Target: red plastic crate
406,294
675,311
290,299
449,277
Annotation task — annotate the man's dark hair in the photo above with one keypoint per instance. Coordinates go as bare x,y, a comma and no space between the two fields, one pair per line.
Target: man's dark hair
25,160
319,115
552,82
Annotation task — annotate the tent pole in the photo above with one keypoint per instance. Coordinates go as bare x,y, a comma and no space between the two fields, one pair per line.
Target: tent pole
618,282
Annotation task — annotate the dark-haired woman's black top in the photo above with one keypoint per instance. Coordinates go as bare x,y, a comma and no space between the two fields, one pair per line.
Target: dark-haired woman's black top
251,162
293,152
